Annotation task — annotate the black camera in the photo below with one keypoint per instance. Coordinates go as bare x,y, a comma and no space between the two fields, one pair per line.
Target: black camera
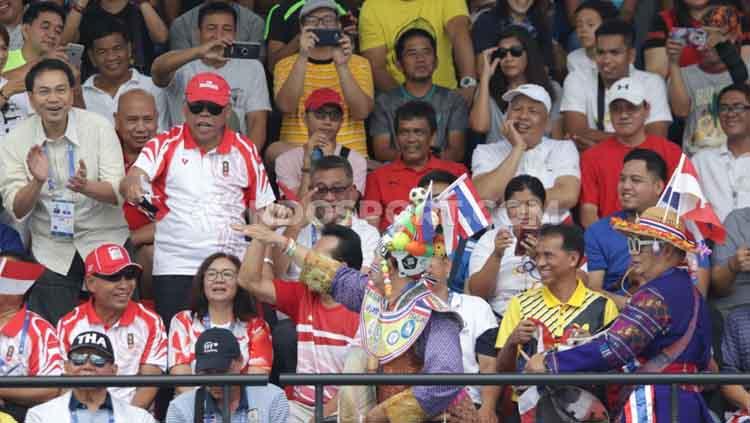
242,50
327,37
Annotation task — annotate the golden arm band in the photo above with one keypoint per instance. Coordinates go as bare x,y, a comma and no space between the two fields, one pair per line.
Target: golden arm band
318,272
404,407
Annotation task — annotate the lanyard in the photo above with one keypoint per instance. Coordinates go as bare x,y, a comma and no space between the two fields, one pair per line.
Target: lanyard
110,416
24,331
71,165
313,236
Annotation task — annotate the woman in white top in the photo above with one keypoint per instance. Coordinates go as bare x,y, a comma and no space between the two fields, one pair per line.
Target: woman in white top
499,267
514,61
589,16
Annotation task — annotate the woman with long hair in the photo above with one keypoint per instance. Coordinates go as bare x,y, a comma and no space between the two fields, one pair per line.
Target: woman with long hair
218,301
512,62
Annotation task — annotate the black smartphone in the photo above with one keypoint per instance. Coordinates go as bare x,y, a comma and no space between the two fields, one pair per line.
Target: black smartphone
327,37
148,208
243,50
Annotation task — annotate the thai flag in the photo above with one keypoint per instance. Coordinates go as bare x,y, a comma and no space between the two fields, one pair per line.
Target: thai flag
16,277
465,214
684,195
427,225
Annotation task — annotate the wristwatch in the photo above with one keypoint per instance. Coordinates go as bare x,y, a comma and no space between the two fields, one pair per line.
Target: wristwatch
467,82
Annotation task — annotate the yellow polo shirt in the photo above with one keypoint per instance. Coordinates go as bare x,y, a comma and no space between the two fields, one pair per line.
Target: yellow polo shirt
15,60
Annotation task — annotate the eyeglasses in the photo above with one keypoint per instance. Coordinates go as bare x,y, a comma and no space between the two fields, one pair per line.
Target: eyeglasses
515,51
636,244
329,20
332,114
79,359
226,275
323,190
733,108
199,106
127,274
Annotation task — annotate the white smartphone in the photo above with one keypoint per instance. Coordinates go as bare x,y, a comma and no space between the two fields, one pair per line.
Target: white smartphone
75,53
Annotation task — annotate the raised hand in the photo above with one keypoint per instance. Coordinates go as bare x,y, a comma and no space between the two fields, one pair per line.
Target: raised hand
38,163
78,182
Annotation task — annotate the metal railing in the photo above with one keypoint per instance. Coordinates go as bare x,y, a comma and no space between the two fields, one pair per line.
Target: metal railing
319,381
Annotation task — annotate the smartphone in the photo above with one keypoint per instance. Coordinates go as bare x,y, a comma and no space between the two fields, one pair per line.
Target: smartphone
696,37
524,233
74,52
243,50
327,37
148,208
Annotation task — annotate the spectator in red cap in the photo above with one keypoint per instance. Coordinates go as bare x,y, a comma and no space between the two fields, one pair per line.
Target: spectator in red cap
206,177
324,112
137,334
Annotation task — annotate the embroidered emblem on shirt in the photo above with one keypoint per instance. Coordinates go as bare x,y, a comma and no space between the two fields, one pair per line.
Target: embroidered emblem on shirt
9,354
225,168
131,341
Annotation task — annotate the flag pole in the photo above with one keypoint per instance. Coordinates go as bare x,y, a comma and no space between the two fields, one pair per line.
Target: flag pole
671,191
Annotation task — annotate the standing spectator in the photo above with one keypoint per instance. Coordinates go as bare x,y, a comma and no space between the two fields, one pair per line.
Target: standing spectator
182,34
725,170
324,113
218,301
516,65
683,14
217,352
138,335
584,113
61,167
29,344
14,100
693,89
297,76
730,272
147,30
207,176
10,18
42,33
325,328
528,152
110,54
217,26
417,58
589,16
91,354
735,352
387,191
382,22
602,163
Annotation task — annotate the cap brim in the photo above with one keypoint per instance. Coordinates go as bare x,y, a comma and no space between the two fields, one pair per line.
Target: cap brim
217,362
119,269
220,100
510,95
622,225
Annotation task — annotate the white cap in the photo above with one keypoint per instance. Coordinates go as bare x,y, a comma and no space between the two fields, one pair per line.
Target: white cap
532,91
627,89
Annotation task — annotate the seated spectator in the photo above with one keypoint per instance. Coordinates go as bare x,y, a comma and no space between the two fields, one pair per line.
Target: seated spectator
325,328
730,272
324,113
217,301
14,100
10,241
140,340
735,346
417,59
559,252
147,30
182,34
29,343
42,33
297,76
217,26
60,169
381,23
683,14
11,19
589,16
528,151
91,354
602,163
693,89
501,268
110,54
725,171
387,191
512,62
584,114
531,15
200,200
217,352
642,180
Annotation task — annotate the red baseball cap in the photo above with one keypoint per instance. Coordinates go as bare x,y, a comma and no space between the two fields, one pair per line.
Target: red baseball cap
208,86
323,97
108,259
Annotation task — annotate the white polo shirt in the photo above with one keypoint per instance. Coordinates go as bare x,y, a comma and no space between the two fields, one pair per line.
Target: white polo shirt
547,161
725,179
29,347
58,410
580,94
138,337
101,102
203,193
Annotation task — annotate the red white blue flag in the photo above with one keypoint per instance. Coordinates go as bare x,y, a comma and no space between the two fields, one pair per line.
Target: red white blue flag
464,214
16,277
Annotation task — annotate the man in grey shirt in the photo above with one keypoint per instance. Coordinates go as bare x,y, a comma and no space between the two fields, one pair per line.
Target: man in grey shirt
182,32
730,272
417,58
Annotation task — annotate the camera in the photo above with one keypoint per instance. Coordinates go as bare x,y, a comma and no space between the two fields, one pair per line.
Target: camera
243,50
327,37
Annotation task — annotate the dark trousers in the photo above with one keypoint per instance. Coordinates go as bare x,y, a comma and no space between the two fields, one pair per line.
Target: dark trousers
172,294
284,338
54,295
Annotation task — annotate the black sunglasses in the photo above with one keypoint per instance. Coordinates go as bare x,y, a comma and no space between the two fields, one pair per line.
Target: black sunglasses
131,273
199,106
515,51
79,359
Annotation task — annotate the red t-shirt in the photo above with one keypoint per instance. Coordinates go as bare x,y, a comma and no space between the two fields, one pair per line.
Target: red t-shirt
387,188
601,166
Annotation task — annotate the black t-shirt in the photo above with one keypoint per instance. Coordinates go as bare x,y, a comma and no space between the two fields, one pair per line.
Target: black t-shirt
285,29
